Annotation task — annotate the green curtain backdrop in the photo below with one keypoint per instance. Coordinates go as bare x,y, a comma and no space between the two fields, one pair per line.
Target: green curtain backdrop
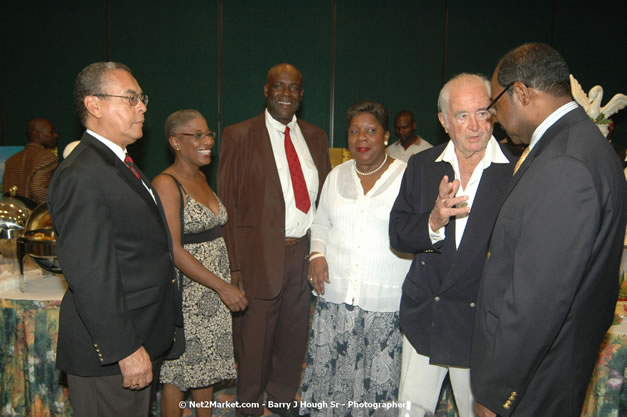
397,53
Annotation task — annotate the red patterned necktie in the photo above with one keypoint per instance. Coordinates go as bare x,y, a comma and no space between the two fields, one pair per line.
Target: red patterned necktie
301,195
131,165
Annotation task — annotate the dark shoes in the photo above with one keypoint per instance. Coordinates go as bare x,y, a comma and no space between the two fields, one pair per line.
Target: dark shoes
284,412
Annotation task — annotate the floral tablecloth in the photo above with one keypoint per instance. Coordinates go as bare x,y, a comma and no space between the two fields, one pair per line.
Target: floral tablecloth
30,384
607,393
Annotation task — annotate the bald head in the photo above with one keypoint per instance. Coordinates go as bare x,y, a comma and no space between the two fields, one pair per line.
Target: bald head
278,68
283,92
405,127
41,131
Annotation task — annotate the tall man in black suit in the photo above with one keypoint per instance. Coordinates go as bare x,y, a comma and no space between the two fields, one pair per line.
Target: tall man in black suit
447,224
550,281
117,317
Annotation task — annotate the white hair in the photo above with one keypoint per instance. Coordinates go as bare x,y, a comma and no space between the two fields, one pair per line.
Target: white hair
445,92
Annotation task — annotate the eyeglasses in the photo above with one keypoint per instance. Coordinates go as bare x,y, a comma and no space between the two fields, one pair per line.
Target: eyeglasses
493,102
133,98
198,135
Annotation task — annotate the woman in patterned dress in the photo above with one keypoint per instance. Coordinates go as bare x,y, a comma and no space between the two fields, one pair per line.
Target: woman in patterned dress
353,360
208,295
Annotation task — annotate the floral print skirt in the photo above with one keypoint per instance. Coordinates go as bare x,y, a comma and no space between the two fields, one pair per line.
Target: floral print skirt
353,362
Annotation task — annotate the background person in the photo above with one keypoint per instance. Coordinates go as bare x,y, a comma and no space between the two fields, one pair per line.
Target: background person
408,143
32,168
354,349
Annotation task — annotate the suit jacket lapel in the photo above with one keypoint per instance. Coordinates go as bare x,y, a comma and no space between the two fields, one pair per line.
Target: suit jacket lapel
546,139
123,171
487,202
445,168
309,140
264,146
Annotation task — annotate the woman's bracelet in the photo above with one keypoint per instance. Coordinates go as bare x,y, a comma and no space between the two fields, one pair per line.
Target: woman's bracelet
315,255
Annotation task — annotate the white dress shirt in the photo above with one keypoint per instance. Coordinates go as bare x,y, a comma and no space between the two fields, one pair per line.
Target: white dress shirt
492,155
351,230
297,223
550,121
397,151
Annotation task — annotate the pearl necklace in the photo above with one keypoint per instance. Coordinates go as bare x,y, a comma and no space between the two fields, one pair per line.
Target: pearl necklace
374,170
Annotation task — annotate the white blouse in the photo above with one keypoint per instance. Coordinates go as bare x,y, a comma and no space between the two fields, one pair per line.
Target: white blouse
351,230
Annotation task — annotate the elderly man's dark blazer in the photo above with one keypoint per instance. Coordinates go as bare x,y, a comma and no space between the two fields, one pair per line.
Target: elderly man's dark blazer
550,281
249,186
114,249
440,290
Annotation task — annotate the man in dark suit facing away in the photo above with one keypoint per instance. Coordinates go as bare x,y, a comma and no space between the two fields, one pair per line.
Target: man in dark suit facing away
117,317
550,281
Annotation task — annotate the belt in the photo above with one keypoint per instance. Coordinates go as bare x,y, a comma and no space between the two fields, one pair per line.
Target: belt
206,236
291,241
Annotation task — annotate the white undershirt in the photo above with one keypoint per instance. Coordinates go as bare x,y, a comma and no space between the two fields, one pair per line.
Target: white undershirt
550,121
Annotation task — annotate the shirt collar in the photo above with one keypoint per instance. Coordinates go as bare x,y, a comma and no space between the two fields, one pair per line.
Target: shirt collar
493,154
550,121
271,122
115,148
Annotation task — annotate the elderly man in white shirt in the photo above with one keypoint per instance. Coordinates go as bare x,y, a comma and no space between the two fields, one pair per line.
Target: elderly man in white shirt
443,215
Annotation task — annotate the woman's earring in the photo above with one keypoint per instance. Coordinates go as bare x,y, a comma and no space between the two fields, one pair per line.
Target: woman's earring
385,143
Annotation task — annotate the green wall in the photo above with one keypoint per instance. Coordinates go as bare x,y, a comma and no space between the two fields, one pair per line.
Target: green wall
392,52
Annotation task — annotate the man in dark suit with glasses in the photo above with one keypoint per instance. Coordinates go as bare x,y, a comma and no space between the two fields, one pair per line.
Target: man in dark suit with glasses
117,317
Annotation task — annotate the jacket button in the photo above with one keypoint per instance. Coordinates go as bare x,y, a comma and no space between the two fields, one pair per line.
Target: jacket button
422,263
437,298
472,305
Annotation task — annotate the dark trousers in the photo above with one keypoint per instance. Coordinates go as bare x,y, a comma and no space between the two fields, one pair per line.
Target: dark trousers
272,337
104,396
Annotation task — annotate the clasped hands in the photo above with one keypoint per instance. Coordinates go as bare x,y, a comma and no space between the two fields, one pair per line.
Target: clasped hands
445,204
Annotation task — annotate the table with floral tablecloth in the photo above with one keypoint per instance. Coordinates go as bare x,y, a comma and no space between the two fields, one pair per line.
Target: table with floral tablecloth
607,392
30,384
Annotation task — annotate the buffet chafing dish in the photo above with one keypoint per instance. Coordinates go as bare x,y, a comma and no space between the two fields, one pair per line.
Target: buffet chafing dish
13,217
38,241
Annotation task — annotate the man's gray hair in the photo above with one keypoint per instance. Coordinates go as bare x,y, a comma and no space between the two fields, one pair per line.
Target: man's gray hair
90,81
445,92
